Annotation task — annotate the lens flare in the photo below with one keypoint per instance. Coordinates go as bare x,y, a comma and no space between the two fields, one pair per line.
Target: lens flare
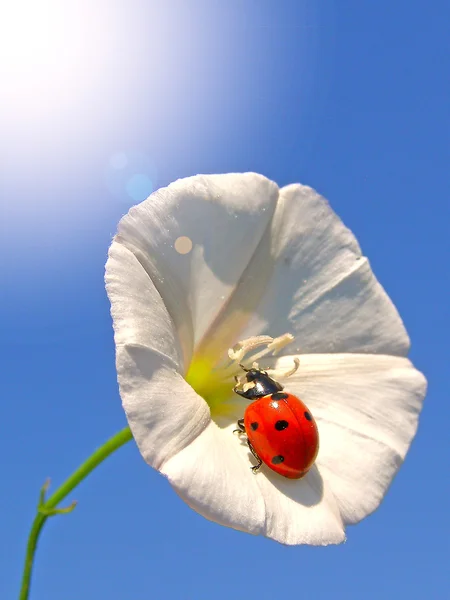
131,176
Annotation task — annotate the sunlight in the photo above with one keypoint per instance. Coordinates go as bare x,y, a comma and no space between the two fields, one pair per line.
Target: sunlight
49,54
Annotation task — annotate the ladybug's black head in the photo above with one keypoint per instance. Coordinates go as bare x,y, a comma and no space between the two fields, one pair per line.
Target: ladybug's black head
255,374
264,385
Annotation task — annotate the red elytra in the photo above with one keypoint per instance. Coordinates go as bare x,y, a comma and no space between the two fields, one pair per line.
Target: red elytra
283,433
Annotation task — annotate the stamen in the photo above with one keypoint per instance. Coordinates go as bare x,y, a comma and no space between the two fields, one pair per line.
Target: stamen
280,373
239,350
238,354
280,342
275,345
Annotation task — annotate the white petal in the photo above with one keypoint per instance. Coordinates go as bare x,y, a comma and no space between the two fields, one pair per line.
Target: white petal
163,411
308,278
138,312
300,511
224,216
214,477
366,408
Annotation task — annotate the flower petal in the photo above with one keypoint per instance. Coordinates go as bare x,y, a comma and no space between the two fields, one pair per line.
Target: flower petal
163,411
308,277
138,312
367,409
300,511
224,216
213,475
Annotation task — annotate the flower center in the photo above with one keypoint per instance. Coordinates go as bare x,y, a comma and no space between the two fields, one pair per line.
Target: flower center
214,379
210,384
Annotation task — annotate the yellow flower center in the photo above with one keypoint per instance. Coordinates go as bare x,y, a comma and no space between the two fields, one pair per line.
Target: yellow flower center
215,383
212,385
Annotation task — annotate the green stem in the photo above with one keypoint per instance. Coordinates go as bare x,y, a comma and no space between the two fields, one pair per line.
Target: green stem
48,508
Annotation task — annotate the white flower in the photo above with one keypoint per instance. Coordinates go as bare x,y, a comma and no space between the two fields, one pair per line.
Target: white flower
258,261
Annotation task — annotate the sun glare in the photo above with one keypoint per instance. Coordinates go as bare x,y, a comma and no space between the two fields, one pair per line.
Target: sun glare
50,53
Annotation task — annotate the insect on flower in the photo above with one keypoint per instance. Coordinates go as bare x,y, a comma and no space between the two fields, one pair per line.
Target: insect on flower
181,280
279,427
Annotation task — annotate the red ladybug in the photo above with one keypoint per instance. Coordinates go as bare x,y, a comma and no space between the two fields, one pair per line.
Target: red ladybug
281,432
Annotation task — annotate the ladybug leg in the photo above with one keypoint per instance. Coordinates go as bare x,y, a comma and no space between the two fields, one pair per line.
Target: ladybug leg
241,426
256,468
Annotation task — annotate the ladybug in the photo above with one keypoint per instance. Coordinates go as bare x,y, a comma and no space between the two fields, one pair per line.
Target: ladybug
281,432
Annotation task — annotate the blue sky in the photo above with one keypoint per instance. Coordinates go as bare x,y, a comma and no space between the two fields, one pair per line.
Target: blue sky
351,98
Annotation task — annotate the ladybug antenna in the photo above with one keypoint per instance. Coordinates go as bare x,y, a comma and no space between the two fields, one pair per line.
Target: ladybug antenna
243,368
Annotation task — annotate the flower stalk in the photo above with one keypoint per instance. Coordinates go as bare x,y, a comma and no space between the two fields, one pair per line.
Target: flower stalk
49,507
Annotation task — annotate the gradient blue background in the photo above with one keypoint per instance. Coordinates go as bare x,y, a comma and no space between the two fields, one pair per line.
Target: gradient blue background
349,97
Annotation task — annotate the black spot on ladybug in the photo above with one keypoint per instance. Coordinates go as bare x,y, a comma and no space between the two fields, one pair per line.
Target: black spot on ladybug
276,460
254,425
308,416
280,425
279,396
